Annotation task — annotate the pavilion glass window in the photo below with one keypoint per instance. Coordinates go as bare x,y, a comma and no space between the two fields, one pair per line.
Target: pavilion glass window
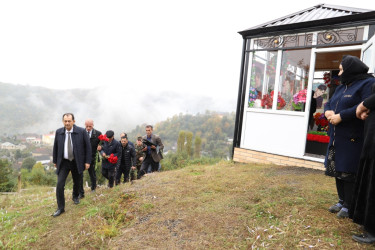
295,65
262,78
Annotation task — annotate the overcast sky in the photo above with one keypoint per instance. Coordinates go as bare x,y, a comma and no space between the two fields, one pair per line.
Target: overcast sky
134,47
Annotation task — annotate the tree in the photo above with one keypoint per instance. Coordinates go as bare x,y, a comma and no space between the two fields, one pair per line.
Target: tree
197,146
7,183
28,163
189,143
18,154
181,142
38,174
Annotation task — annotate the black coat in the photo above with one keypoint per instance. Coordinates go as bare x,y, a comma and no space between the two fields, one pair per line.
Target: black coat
114,147
94,141
81,147
348,134
363,206
127,156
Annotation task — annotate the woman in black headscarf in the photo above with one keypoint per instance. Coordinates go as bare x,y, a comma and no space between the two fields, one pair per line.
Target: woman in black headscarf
363,205
345,129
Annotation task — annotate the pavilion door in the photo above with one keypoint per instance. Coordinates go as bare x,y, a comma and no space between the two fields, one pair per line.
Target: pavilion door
324,83
368,54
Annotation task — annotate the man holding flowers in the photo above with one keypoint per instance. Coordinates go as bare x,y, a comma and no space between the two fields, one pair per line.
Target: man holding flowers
110,151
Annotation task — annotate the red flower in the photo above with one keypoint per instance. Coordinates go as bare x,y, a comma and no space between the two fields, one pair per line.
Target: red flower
266,101
323,122
103,138
112,159
327,77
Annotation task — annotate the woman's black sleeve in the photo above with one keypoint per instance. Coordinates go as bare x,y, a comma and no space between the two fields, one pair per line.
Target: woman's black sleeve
369,102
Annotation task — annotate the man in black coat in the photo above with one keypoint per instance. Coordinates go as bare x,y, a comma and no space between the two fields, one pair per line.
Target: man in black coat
127,161
94,141
110,147
71,152
126,135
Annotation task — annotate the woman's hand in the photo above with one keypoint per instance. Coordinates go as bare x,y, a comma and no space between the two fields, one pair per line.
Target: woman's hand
362,112
329,113
335,119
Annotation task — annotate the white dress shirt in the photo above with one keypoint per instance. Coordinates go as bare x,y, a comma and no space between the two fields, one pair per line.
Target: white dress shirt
66,143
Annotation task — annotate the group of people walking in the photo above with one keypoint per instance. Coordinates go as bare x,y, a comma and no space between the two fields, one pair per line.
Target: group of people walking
77,149
352,142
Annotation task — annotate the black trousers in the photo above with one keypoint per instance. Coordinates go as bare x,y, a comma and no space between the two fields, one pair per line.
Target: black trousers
345,189
122,170
66,167
92,175
146,162
109,174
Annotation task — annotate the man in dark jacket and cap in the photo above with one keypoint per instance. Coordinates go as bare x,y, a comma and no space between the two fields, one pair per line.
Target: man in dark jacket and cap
110,147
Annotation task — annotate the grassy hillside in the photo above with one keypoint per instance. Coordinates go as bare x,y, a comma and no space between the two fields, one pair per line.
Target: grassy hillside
199,207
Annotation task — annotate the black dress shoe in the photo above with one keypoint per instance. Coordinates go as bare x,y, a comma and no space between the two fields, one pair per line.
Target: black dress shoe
58,212
364,238
76,201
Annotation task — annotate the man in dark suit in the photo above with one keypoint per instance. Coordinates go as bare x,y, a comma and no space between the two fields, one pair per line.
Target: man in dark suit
94,141
153,153
71,152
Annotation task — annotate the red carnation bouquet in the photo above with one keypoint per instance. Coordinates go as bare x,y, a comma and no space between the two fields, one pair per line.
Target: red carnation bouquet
112,159
103,138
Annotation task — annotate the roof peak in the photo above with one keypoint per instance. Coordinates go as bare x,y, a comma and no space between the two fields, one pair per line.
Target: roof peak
320,11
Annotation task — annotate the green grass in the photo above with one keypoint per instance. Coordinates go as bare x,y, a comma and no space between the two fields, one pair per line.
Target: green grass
218,206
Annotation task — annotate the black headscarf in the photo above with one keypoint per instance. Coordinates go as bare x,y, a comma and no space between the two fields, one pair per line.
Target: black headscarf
354,70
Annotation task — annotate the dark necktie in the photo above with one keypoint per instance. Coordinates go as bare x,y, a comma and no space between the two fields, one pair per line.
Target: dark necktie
88,133
70,148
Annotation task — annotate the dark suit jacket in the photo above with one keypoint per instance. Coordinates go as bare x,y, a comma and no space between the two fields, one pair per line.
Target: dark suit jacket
94,141
157,155
81,148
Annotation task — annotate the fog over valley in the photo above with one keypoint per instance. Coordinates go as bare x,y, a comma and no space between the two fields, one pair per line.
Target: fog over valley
29,109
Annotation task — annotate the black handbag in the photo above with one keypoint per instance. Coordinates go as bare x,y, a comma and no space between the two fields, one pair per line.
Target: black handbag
330,163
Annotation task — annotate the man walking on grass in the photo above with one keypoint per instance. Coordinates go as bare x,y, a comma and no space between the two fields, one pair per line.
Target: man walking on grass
71,153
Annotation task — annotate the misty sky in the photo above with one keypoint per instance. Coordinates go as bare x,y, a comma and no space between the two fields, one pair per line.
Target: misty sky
133,49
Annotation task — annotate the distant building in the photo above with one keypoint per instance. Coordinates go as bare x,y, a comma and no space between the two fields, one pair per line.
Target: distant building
33,140
229,141
48,139
8,145
11,146
45,163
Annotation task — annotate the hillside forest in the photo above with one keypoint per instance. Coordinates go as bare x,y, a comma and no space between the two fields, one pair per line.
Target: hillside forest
188,139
